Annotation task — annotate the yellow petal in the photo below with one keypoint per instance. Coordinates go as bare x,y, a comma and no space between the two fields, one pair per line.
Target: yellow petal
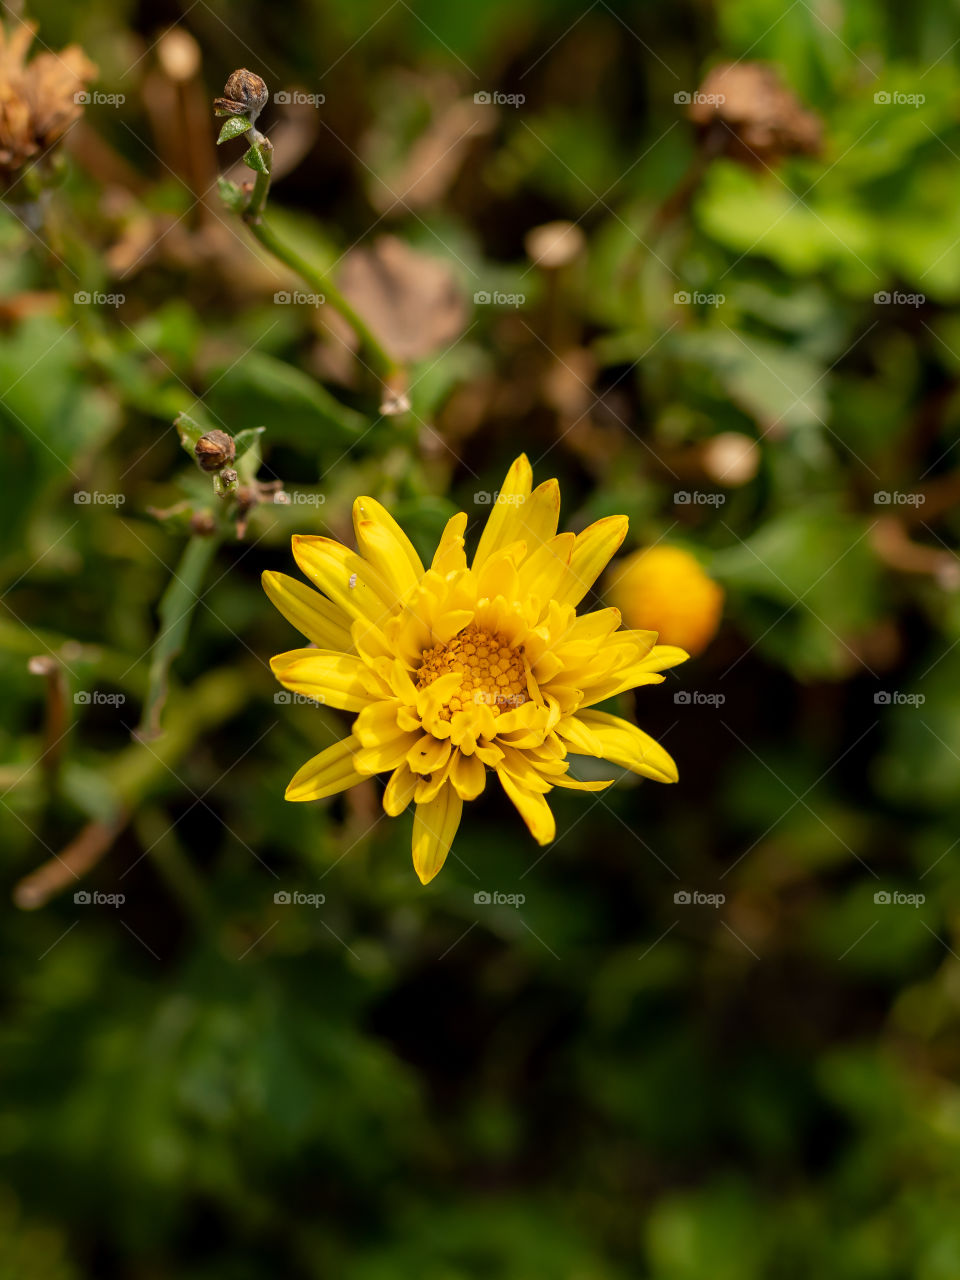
434,827
468,775
519,765
431,784
349,580
377,722
629,677
386,755
332,678
546,566
594,549
498,577
384,544
575,784
629,747
628,666
504,519
450,555
576,734
369,642
539,516
594,626
399,791
427,754
326,774
662,657
532,807
312,614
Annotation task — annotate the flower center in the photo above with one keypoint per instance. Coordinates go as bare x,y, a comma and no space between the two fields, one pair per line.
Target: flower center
493,672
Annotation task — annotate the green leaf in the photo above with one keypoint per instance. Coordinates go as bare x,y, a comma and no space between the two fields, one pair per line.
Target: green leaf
233,128
190,432
262,388
247,461
254,159
176,609
232,195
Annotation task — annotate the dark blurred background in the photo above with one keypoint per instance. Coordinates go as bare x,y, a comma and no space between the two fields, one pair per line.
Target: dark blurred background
718,1038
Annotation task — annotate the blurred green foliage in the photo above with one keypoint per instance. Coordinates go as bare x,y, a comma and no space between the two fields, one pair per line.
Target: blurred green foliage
403,1082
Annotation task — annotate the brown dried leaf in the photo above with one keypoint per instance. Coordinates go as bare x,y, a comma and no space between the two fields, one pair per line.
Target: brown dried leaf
752,116
410,300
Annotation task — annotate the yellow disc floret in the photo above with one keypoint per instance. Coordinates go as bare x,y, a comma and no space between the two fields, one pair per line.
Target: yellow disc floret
493,672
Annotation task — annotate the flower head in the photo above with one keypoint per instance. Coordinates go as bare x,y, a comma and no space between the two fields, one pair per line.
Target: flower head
666,589
456,671
39,99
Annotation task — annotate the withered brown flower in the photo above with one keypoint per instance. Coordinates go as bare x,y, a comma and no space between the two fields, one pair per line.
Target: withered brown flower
244,94
39,98
745,111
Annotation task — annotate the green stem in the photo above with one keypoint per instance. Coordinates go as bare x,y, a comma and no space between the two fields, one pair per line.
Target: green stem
380,361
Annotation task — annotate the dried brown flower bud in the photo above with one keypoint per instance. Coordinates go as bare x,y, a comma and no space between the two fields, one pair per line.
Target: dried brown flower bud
244,94
39,99
215,450
745,111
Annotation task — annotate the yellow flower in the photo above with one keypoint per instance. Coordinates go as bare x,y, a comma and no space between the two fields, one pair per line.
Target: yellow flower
665,588
456,670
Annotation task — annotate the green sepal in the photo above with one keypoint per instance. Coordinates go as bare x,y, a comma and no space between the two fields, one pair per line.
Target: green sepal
233,128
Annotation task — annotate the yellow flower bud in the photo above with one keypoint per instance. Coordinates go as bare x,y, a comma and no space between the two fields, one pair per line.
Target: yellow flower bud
664,589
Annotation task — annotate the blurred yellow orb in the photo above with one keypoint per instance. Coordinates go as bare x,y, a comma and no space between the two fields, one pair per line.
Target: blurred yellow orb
664,589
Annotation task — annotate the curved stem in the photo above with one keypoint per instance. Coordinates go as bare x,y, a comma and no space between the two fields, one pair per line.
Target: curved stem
381,362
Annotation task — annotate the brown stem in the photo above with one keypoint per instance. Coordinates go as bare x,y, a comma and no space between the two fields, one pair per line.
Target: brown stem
66,869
